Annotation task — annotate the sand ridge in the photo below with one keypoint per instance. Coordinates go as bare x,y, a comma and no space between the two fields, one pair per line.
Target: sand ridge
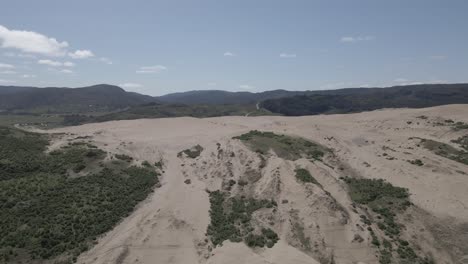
170,226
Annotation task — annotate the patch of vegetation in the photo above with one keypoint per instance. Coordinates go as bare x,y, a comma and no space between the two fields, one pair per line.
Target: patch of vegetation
387,201
159,164
45,211
447,151
462,141
460,126
287,147
304,175
416,162
123,157
231,220
27,119
192,153
146,164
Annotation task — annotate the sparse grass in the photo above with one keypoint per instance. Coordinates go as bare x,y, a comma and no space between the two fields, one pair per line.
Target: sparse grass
446,150
46,212
231,220
304,175
192,153
286,147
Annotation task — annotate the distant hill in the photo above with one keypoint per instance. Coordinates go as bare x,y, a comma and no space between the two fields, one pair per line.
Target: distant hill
366,99
101,97
211,97
109,99
162,110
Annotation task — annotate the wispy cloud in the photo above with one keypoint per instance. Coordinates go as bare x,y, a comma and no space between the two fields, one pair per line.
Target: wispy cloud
26,76
350,39
287,55
438,57
66,71
7,72
31,42
151,69
6,66
56,63
401,80
106,60
212,84
7,81
336,85
246,87
81,54
130,85
229,54
19,55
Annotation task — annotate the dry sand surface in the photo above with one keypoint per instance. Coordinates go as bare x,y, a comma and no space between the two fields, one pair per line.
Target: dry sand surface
170,225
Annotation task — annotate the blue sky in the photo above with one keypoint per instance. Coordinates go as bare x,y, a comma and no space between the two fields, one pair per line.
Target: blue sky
158,47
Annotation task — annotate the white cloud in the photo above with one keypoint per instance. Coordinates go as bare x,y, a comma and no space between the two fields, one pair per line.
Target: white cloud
287,55
56,63
81,54
401,80
50,63
246,87
19,55
7,72
348,39
229,54
28,76
212,84
105,60
6,66
7,81
66,71
130,85
152,69
68,64
31,42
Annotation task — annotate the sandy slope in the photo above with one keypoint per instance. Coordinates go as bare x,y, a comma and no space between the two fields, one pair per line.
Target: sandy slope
170,226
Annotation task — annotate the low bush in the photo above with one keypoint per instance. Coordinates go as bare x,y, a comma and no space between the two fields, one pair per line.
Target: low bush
45,213
304,175
287,147
231,220
192,153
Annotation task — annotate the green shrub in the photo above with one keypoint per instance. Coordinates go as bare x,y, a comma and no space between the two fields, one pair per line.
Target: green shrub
44,212
417,162
287,147
124,157
192,153
231,217
304,175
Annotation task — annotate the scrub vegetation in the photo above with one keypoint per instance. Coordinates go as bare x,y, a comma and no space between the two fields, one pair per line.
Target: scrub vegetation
54,205
231,220
448,151
387,202
286,147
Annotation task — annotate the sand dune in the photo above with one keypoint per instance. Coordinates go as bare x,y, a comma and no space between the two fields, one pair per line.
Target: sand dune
170,226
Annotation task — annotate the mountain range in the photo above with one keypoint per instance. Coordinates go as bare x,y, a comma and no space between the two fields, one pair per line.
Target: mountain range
109,98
